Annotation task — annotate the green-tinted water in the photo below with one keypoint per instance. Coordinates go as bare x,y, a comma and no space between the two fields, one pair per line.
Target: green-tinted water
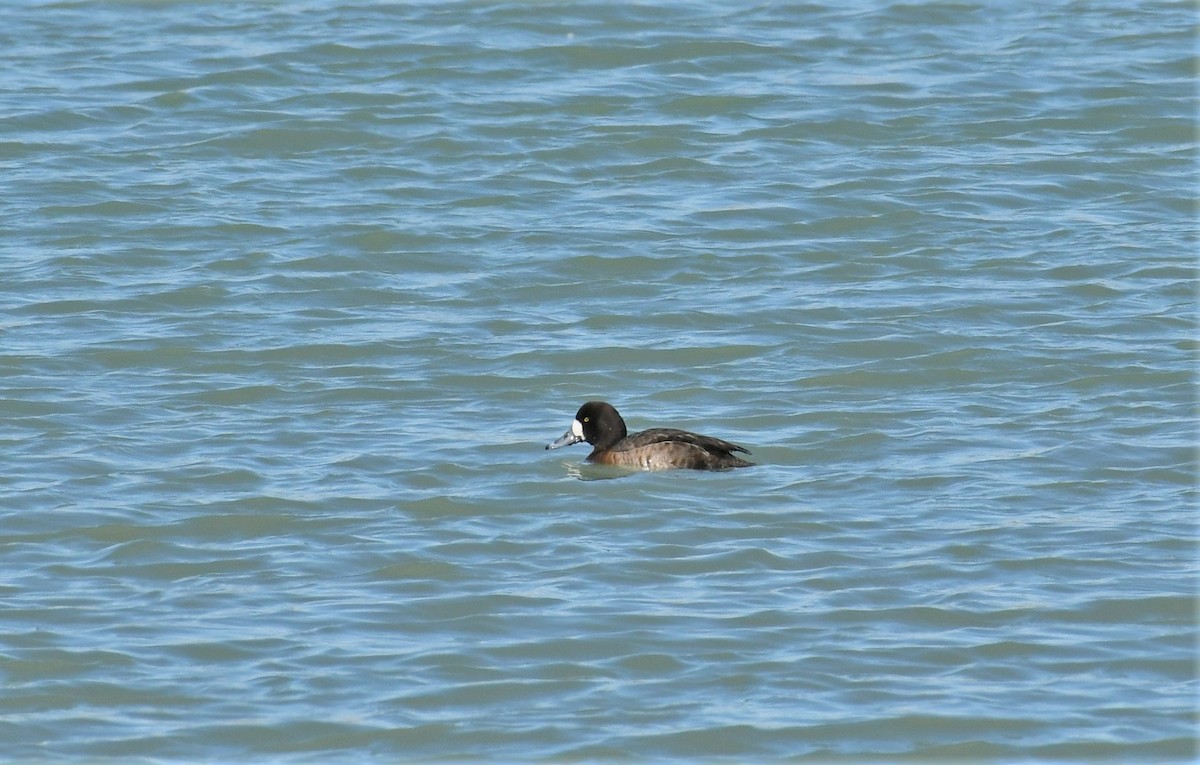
292,296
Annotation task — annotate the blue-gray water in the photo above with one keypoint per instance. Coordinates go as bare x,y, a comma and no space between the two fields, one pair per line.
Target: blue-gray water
293,294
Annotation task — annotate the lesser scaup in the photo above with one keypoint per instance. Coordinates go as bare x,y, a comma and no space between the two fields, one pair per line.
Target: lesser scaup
601,426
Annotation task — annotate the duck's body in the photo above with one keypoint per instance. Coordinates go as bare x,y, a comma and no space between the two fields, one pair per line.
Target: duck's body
600,425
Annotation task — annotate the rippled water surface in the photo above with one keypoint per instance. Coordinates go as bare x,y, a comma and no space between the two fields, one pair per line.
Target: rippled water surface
292,295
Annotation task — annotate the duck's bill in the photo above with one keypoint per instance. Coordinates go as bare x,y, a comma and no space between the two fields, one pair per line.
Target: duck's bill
573,435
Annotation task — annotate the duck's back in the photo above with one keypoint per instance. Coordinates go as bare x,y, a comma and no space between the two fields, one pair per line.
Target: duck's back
667,448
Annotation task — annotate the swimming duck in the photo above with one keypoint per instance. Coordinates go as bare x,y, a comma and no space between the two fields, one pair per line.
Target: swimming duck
600,425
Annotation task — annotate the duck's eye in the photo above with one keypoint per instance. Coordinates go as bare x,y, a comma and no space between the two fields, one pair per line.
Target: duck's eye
587,419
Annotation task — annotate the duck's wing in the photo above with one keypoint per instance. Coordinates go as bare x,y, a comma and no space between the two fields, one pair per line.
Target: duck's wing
674,435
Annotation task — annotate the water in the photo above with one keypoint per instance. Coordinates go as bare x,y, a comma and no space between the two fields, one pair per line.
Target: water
293,294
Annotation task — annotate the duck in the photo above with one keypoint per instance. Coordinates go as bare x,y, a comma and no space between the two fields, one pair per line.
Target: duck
599,424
